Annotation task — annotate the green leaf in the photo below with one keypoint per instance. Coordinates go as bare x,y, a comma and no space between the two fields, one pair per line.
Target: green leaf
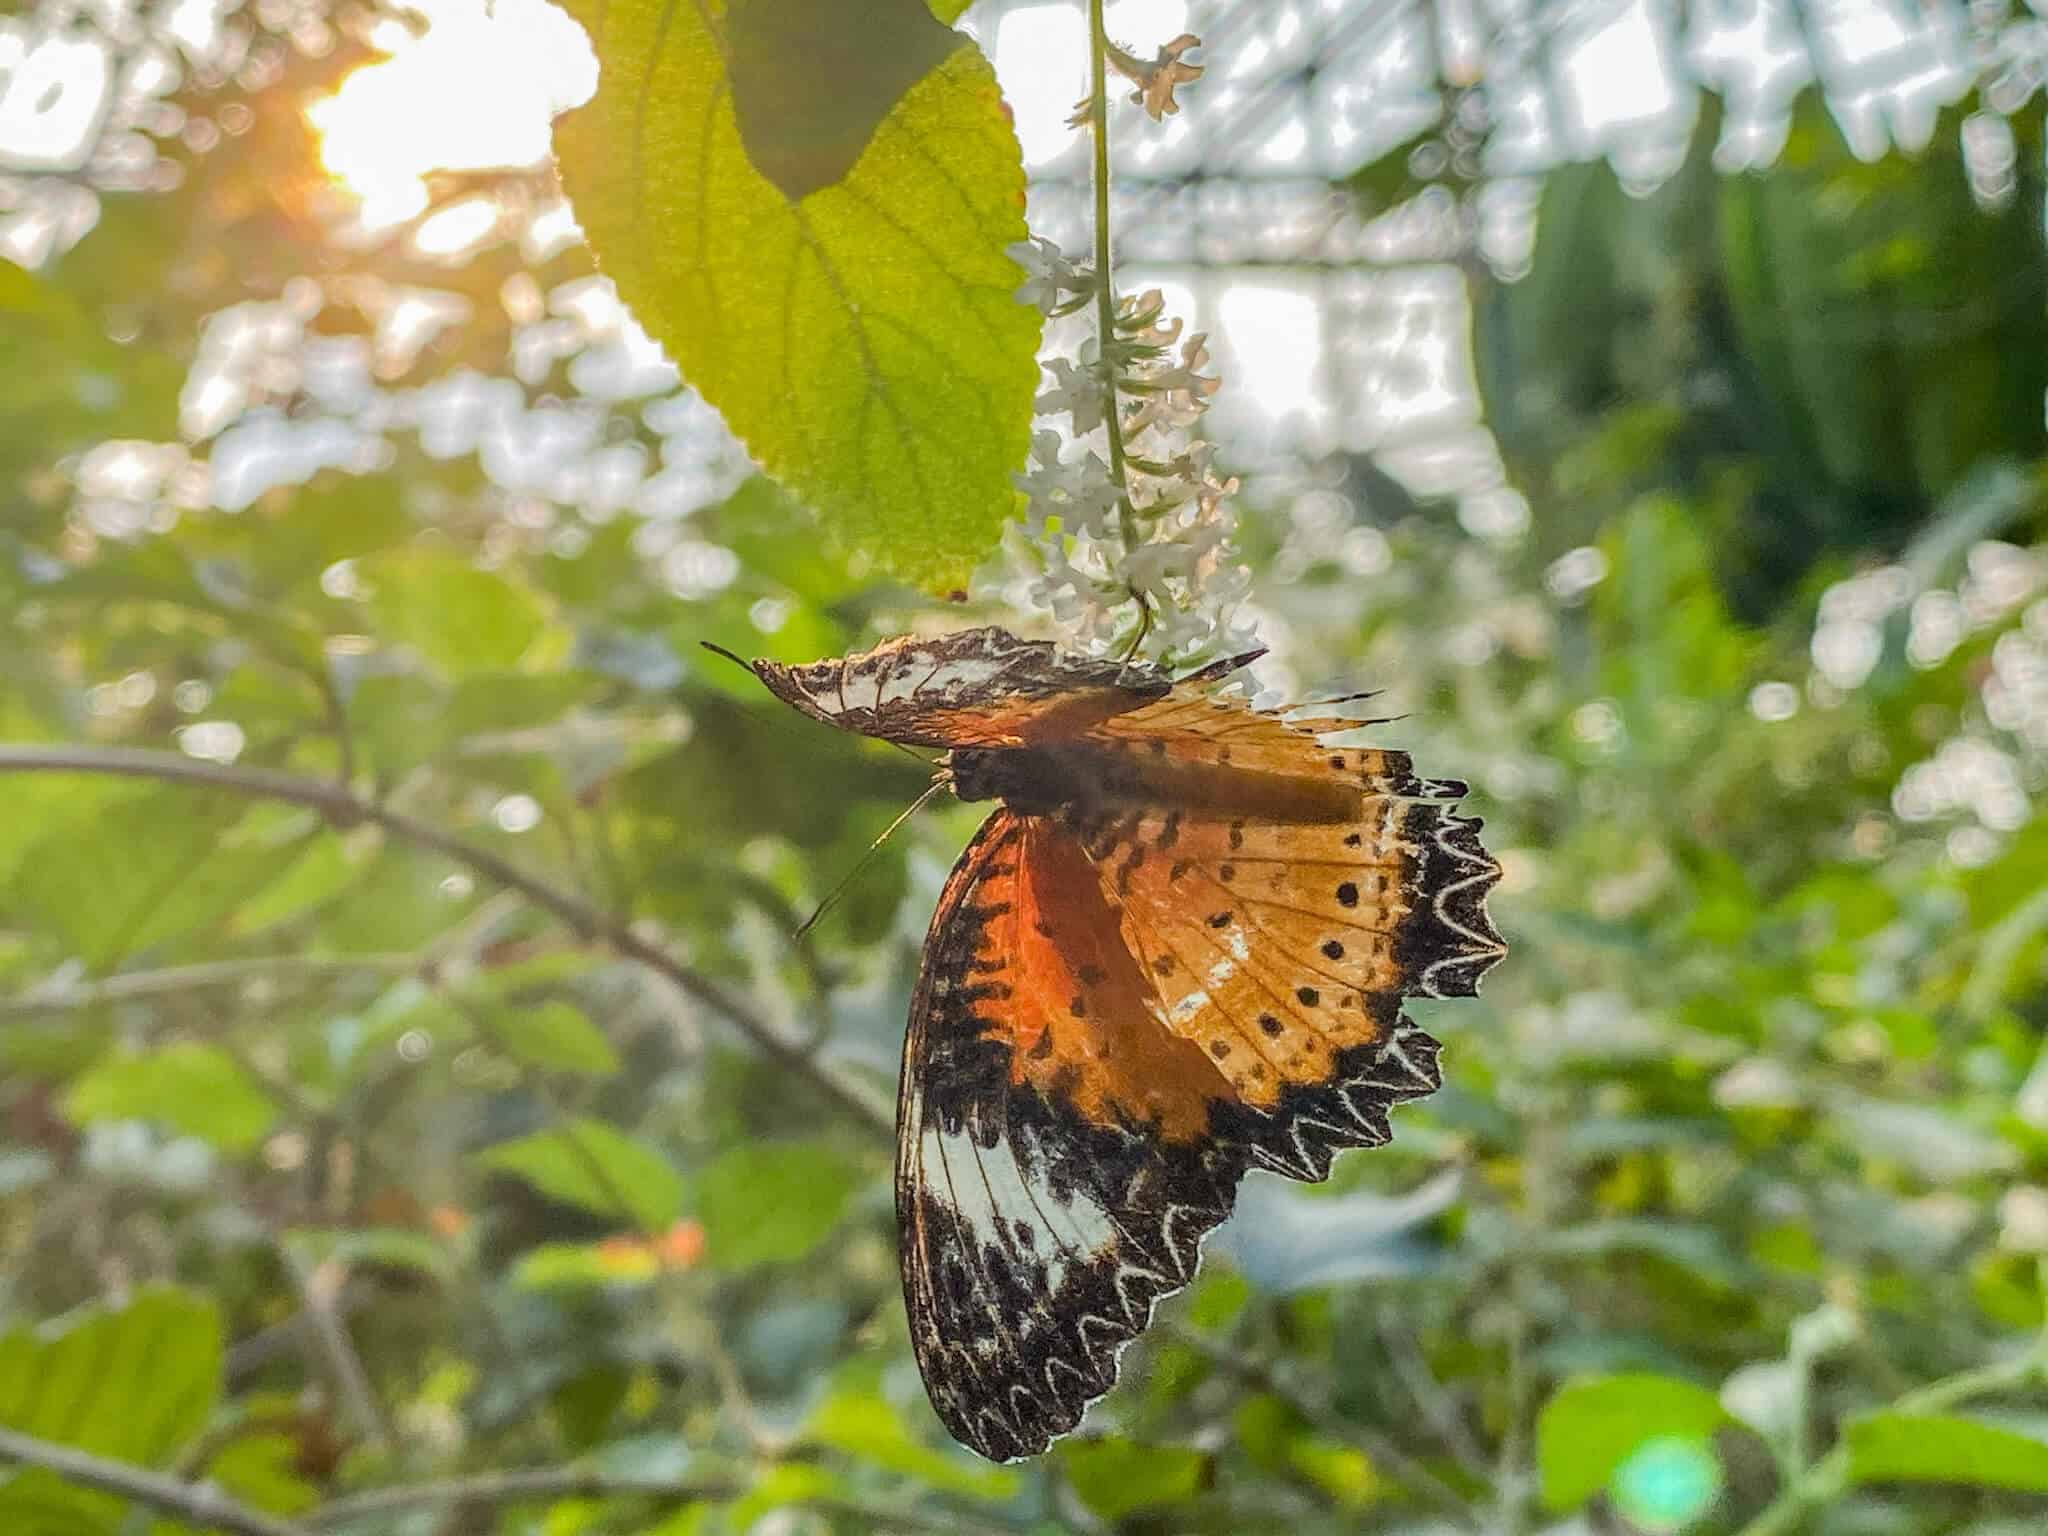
864,340
315,877
1592,1425
1935,1448
1344,1472
868,1426
787,1483
261,1471
191,1088
459,618
1116,1477
813,79
586,1163
21,294
135,1383
387,1247
584,1266
113,875
552,1035
772,1202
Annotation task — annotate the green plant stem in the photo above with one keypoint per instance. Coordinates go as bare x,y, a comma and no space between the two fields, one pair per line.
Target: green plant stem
330,1335
1828,1478
201,1505
1105,291
1388,1457
344,808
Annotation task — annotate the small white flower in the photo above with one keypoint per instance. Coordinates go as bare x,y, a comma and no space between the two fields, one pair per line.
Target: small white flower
1049,277
1143,557
1078,391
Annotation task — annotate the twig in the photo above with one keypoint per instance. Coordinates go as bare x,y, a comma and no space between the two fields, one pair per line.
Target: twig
318,1294
176,980
338,726
513,1487
1436,1404
1828,1478
1397,1463
201,1505
341,806
533,1484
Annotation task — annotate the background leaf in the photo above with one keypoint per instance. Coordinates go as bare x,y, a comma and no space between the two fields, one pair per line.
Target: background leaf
1940,1448
772,1203
194,1089
1590,1427
589,1164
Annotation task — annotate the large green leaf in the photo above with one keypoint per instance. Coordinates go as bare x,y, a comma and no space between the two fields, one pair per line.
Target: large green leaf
1593,1424
867,1426
135,1383
553,1035
586,1163
1936,1448
460,618
863,340
189,1087
1116,1477
773,1202
116,876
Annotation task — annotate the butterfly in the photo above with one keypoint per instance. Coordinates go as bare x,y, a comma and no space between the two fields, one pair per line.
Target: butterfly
1175,952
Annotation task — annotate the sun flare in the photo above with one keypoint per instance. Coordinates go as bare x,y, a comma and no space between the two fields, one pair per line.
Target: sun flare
390,125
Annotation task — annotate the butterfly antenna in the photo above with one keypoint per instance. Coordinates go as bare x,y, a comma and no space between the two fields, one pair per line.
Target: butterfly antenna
738,661
944,780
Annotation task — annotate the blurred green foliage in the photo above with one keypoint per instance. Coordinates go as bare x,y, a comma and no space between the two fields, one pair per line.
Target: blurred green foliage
330,1170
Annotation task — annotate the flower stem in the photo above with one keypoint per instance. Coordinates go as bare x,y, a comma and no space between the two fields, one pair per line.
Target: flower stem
1105,292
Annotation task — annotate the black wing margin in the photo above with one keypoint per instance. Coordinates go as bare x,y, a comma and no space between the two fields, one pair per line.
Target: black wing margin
1036,1241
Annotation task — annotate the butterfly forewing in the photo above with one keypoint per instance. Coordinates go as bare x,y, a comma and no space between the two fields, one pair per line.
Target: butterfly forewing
972,688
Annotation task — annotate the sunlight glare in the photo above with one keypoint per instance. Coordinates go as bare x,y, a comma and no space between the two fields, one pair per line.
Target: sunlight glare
512,66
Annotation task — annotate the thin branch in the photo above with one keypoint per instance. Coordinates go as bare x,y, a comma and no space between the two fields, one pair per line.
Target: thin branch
518,1486
342,807
1389,1457
1429,1394
197,1504
177,980
318,1294
536,1484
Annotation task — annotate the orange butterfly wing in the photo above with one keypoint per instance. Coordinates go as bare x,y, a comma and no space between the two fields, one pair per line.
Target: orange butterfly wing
1051,1180
1063,1146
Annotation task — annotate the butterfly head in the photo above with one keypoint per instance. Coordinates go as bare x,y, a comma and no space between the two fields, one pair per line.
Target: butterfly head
978,773
1033,780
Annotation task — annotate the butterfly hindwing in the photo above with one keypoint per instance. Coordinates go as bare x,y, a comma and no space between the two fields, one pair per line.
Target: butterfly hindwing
1054,1175
1063,1147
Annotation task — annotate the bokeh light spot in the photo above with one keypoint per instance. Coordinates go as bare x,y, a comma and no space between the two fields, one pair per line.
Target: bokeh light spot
1666,1483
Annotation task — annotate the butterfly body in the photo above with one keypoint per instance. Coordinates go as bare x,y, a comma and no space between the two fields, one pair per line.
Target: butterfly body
1080,782
1177,950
